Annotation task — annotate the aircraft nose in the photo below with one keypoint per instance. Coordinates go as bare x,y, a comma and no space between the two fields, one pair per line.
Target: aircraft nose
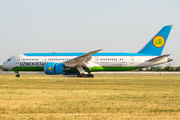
3,65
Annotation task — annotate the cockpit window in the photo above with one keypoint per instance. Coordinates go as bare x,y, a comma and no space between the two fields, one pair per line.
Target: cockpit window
9,59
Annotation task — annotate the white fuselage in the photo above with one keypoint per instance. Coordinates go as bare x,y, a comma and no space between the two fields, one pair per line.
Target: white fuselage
108,61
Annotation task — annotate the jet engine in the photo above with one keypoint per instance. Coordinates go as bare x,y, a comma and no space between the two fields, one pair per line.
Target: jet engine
54,68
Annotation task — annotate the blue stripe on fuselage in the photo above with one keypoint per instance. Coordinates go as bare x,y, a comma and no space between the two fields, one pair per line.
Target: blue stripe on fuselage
79,54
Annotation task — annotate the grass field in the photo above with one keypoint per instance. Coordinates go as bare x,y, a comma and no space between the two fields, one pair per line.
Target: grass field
106,96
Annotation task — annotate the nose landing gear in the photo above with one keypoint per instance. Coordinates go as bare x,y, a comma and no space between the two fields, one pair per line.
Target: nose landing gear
17,75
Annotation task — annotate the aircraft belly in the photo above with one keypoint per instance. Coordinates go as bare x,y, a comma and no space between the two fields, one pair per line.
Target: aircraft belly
113,68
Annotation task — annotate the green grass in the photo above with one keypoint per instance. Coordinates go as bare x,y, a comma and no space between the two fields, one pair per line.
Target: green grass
106,96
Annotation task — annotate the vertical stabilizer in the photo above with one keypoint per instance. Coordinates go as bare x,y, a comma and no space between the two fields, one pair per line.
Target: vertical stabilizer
156,44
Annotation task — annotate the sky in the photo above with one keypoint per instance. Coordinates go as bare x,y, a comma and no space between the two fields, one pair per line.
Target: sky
37,26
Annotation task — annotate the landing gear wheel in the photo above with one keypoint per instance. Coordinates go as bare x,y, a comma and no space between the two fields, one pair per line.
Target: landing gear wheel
17,75
84,75
91,75
79,75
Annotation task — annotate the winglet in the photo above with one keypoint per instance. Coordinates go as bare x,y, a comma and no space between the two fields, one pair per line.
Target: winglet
93,52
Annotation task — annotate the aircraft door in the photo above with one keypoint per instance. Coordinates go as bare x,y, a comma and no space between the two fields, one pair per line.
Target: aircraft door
17,60
44,60
131,60
96,59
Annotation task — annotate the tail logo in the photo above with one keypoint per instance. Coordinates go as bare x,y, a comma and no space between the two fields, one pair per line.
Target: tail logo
158,41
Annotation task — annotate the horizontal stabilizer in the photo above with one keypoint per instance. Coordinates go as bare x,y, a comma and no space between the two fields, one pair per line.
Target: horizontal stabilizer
158,58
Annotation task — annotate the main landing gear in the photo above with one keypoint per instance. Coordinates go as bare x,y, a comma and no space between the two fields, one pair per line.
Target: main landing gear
85,75
82,73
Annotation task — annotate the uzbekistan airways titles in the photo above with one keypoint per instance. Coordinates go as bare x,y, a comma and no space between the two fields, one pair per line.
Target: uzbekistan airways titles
32,63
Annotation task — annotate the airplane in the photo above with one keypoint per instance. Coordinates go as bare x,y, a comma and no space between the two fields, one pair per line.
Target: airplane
82,64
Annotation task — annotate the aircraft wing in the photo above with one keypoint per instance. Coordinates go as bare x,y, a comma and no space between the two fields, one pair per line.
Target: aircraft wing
81,61
158,58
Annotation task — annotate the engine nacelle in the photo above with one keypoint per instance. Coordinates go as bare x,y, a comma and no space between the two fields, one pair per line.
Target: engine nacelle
54,68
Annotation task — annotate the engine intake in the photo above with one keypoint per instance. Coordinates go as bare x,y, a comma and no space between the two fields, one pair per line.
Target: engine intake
54,68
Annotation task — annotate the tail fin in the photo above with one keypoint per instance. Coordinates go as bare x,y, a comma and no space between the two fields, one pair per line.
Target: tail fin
156,44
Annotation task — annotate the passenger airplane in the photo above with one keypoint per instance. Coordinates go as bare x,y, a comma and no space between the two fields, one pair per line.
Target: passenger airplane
82,64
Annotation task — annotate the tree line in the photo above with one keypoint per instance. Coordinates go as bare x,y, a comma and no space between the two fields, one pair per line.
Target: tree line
160,68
